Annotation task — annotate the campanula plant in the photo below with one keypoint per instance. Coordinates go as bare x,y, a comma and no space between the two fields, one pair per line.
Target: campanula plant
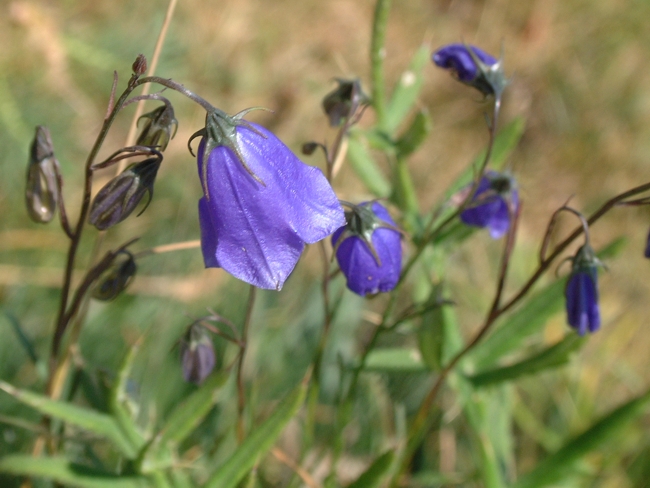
369,249
261,204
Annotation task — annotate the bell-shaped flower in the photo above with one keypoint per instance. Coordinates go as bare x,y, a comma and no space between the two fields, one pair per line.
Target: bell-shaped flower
495,202
581,292
197,354
261,204
473,67
369,249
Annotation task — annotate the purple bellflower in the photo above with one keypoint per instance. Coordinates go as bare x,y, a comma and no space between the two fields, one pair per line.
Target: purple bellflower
368,249
581,292
261,204
496,200
473,67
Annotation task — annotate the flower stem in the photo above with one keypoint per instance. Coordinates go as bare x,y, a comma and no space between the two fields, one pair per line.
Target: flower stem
241,393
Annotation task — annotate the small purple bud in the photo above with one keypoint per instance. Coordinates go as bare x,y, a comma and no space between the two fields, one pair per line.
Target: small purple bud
197,354
475,68
581,292
494,204
42,191
157,130
344,101
119,198
369,249
139,65
261,204
116,278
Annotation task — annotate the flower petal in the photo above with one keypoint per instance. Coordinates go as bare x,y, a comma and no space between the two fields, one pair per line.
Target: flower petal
256,231
457,57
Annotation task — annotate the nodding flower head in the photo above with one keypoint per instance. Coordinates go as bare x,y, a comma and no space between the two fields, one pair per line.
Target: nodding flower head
495,202
473,67
197,354
261,204
581,292
368,249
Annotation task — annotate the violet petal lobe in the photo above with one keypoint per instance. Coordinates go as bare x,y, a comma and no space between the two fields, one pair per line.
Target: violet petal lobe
364,275
457,58
257,232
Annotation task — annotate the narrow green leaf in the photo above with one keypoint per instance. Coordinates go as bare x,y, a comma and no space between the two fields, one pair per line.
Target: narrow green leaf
364,166
22,337
119,399
395,360
98,423
371,477
67,473
433,327
189,414
407,90
259,441
415,135
530,318
551,357
556,467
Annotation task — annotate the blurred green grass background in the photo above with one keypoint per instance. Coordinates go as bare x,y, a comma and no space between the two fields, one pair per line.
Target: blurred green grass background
580,77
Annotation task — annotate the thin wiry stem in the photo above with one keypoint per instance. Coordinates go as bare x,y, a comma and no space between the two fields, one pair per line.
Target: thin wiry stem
241,392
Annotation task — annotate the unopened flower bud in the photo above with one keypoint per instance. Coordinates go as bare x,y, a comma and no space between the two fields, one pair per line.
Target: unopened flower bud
308,148
157,130
139,65
341,103
42,191
119,198
197,354
116,278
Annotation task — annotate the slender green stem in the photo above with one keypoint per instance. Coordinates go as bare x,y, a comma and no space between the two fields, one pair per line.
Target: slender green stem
241,392
377,55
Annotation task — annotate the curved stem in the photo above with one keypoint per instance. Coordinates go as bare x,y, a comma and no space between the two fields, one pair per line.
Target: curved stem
423,416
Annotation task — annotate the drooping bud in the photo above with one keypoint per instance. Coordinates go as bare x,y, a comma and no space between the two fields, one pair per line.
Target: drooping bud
474,67
116,278
42,191
139,65
342,102
119,198
581,292
197,354
157,130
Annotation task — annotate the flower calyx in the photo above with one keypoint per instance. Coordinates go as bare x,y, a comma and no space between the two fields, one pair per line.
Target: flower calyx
221,130
361,222
344,101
